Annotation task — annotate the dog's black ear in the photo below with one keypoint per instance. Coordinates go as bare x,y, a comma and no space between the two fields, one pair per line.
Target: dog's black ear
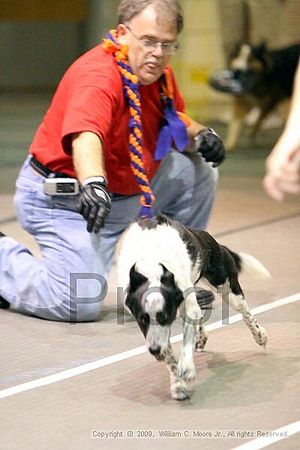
136,279
167,277
168,280
261,52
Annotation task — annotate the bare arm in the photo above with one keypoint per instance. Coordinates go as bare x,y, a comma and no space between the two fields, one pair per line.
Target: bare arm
88,155
292,125
194,128
283,164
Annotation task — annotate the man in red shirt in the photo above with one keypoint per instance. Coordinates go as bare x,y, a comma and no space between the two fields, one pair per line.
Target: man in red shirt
115,113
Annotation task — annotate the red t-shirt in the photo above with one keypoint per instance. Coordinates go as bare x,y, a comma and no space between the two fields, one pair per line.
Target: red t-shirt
90,98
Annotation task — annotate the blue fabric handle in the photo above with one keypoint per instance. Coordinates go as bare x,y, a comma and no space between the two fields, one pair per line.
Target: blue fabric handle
172,132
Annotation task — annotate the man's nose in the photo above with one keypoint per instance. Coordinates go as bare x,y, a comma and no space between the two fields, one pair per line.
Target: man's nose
158,50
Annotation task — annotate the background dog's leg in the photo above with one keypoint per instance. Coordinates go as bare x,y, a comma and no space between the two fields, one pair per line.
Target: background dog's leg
264,112
178,388
240,110
191,317
238,303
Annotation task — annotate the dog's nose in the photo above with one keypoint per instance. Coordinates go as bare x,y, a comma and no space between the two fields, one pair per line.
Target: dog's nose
155,350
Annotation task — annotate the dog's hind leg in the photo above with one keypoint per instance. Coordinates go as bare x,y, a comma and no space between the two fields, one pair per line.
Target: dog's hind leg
178,387
239,304
263,114
240,109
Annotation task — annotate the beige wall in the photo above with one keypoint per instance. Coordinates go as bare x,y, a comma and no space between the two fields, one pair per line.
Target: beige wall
211,29
200,55
35,10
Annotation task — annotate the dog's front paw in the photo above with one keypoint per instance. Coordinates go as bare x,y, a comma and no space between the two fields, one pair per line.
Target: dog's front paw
261,336
186,371
179,390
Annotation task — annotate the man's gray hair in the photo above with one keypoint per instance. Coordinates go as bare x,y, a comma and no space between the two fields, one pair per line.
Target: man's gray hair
170,9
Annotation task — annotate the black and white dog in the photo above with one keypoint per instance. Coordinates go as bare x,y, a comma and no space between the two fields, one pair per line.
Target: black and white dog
159,261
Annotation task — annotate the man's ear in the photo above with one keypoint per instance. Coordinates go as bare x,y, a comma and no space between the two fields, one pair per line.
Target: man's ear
122,34
136,279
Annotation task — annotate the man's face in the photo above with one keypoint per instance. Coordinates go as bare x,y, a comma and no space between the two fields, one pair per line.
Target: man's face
147,62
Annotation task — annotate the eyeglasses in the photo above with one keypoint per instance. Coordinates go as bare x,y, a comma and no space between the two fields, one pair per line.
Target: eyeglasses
168,48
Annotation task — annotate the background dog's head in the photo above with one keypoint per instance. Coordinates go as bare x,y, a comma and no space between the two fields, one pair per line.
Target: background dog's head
247,67
249,64
154,304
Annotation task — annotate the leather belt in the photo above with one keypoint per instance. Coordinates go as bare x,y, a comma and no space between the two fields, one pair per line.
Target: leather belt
44,171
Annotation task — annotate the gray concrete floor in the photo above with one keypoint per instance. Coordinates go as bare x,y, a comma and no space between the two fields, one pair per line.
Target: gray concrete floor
239,387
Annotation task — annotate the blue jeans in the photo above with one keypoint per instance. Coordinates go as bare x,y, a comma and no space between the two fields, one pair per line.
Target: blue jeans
69,282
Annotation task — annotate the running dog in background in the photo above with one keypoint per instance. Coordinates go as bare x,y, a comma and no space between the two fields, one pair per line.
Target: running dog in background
159,263
257,77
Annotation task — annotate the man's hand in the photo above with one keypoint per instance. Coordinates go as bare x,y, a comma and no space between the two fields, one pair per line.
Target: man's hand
94,203
283,168
210,145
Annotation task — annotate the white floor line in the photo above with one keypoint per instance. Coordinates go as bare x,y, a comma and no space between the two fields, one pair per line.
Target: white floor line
60,376
277,435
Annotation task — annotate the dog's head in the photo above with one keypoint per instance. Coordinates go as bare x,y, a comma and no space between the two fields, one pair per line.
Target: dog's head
248,65
154,306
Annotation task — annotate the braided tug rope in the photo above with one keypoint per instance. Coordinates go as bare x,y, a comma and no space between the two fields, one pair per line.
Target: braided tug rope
173,129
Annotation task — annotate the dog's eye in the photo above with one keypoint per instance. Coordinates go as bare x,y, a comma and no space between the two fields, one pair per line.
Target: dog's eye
144,319
162,318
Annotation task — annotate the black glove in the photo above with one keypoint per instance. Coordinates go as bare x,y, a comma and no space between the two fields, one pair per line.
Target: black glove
94,203
210,145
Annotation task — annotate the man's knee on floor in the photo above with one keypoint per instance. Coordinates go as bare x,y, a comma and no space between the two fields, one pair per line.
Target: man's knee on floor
87,293
208,174
84,312
193,168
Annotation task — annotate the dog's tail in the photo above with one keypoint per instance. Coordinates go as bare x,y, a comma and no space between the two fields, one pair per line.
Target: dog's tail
251,266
